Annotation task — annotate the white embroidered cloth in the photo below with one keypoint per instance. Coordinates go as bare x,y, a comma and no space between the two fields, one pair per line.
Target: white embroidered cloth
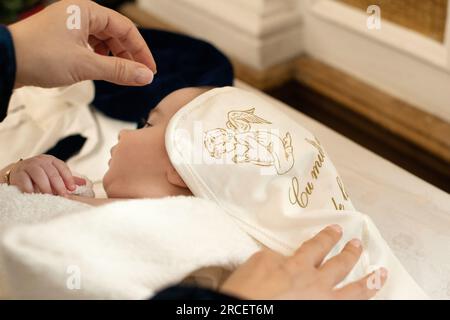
274,178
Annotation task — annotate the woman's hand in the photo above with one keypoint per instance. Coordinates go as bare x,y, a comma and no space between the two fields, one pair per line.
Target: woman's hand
53,51
43,174
268,275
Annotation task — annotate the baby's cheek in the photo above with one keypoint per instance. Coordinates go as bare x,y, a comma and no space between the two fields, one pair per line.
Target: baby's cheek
108,178
114,184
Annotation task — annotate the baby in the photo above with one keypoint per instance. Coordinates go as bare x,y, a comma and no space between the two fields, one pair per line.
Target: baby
270,175
139,165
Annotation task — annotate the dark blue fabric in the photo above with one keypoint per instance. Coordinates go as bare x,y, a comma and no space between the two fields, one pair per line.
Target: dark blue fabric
191,293
7,69
182,62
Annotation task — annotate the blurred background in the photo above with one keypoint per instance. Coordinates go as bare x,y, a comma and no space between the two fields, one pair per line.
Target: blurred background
378,75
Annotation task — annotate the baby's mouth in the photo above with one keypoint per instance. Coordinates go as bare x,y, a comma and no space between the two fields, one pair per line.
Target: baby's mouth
112,151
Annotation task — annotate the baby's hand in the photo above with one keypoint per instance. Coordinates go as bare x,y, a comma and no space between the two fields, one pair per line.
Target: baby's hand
44,174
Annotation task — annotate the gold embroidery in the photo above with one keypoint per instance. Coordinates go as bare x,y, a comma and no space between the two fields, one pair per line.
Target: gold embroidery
247,146
320,158
309,188
338,207
302,199
316,144
341,186
242,120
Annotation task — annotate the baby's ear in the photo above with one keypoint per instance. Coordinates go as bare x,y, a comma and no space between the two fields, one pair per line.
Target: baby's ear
174,178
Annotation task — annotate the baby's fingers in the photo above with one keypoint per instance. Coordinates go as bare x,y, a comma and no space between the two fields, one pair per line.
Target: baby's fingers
22,181
79,181
39,178
36,188
56,181
65,173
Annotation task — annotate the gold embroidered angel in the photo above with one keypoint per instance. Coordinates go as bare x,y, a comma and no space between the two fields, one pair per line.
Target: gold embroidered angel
244,145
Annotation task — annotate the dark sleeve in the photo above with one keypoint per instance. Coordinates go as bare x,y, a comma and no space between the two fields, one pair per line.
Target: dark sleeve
7,69
190,293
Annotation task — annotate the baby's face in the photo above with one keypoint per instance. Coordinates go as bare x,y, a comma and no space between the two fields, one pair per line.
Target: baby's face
139,165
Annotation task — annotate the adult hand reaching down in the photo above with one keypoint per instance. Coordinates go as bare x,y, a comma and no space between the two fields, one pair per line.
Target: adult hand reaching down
269,275
54,47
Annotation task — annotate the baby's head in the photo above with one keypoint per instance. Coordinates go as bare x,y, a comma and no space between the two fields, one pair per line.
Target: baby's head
139,165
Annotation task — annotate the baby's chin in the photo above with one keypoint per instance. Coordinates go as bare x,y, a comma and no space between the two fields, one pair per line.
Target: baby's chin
114,191
107,184
118,188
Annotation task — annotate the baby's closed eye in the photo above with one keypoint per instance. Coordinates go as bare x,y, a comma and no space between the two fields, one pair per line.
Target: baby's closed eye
143,123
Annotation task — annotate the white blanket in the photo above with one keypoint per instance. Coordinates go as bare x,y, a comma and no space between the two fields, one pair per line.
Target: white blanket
125,250
54,248
89,162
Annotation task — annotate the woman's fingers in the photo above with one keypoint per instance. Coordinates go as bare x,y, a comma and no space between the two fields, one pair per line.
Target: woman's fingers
40,178
365,288
117,49
110,24
116,70
339,266
99,46
316,249
64,173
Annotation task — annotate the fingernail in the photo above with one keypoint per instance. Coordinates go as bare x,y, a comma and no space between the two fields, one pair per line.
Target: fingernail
143,76
355,243
336,228
383,272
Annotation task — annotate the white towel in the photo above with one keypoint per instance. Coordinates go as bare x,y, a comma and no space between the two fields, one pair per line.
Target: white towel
274,178
124,250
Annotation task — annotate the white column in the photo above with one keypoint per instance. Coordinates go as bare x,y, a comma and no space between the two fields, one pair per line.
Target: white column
259,33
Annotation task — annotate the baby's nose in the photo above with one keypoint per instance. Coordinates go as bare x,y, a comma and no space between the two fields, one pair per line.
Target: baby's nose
122,132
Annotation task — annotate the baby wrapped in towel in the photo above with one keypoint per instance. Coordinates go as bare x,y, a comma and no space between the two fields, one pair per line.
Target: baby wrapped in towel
274,178
269,174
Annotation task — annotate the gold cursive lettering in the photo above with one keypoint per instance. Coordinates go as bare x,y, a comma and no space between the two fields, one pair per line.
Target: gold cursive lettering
320,158
295,197
337,206
301,198
341,186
